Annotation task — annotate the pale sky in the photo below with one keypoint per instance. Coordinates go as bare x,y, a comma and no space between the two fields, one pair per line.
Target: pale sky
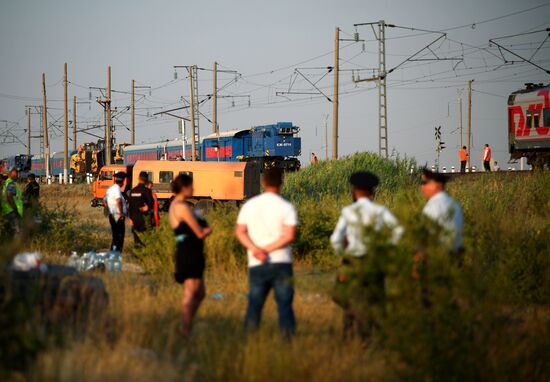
265,41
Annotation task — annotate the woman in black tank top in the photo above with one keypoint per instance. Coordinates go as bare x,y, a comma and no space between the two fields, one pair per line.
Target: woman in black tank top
190,230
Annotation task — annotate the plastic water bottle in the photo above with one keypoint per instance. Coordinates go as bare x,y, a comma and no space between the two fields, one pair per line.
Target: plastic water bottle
73,260
117,262
82,262
91,262
109,261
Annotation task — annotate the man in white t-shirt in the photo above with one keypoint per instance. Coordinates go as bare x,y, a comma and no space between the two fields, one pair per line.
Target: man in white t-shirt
443,210
266,227
116,204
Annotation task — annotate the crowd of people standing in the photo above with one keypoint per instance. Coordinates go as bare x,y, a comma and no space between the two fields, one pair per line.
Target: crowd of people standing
266,227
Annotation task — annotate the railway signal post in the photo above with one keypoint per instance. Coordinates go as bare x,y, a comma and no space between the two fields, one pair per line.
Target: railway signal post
439,146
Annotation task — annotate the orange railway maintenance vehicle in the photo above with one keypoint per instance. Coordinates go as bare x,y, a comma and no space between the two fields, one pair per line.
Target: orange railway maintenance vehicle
214,182
106,178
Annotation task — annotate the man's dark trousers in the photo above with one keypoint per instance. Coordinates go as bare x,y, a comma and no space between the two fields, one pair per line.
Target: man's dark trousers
487,165
463,166
118,230
262,279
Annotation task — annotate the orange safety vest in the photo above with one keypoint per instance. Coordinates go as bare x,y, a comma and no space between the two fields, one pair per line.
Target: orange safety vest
487,154
463,155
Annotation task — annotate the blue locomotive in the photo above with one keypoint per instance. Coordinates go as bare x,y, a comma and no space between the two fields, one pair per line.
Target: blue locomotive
273,145
22,162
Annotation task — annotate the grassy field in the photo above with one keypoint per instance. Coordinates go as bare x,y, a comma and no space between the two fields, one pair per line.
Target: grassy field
489,321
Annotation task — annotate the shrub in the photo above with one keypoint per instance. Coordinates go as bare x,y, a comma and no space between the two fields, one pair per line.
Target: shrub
331,177
222,248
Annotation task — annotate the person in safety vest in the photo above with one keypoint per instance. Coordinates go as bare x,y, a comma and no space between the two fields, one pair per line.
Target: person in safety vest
487,158
463,154
12,202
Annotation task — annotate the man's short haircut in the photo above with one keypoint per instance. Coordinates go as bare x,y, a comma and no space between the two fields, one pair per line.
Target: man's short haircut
31,176
14,169
364,181
434,176
273,177
120,176
464,147
144,176
182,181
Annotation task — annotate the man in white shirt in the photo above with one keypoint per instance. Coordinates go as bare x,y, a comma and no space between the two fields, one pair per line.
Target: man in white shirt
115,202
443,210
350,239
266,227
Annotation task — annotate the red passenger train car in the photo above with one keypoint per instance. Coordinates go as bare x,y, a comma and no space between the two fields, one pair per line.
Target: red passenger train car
529,125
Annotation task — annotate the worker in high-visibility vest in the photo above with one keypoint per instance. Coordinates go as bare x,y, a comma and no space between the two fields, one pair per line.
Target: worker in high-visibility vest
487,158
12,202
463,154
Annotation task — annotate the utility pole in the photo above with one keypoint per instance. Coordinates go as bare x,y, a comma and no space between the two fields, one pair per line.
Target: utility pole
74,123
65,128
215,101
469,133
335,96
133,116
29,131
326,135
193,110
108,119
381,83
460,116
382,99
45,122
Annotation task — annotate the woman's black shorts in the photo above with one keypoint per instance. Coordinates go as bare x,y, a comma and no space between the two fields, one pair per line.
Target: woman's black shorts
190,262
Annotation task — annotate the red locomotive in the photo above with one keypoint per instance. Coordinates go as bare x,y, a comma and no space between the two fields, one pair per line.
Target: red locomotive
529,125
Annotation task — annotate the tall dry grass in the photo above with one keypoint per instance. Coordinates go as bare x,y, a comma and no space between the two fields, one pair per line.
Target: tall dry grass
499,332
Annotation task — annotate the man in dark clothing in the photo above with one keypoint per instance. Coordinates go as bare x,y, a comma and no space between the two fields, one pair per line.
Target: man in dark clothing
31,193
140,203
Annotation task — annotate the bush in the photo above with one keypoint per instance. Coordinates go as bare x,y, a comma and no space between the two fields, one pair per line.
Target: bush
444,325
222,248
330,178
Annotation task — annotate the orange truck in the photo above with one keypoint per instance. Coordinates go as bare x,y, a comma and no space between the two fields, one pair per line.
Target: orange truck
106,178
212,181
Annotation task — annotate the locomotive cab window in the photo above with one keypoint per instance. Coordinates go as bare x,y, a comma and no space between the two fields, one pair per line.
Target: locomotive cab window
546,116
165,176
149,175
106,175
528,119
536,118
190,173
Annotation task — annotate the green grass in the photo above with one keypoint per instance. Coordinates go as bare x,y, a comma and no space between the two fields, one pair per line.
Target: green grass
489,318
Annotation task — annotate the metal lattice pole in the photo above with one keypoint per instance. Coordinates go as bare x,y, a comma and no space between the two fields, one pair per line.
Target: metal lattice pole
382,99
